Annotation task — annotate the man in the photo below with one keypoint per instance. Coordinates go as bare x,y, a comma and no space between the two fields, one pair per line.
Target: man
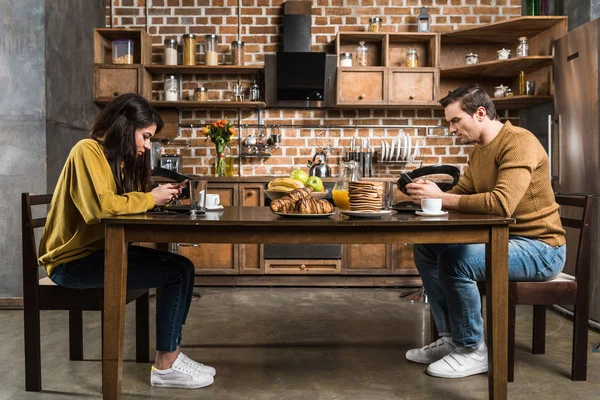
507,175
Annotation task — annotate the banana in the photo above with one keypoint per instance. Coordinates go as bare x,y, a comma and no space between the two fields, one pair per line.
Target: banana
281,188
285,182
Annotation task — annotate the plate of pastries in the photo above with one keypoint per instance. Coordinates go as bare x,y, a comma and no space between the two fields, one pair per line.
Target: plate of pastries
298,203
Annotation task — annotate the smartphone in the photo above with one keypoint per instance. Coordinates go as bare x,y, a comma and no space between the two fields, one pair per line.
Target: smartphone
181,184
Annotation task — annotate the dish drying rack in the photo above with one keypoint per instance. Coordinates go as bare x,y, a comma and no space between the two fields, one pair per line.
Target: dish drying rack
397,163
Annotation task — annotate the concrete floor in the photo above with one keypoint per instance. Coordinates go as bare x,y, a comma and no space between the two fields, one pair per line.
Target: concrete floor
294,343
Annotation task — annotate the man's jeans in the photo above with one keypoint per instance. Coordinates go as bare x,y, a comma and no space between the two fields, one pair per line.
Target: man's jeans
450,273
147,268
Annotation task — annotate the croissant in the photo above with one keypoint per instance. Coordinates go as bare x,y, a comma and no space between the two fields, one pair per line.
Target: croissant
284,202
308,205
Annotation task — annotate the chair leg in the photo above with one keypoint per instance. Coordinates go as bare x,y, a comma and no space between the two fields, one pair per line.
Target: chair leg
142,325
538,343
580,342
512,316
75,335
33,361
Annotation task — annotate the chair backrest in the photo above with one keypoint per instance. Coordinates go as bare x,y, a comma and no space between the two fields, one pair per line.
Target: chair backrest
584,225
29,225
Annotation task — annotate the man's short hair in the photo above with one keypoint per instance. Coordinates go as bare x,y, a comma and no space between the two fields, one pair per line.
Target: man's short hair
470,98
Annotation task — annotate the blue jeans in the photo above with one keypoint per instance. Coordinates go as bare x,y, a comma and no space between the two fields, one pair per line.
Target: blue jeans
147,268
450,273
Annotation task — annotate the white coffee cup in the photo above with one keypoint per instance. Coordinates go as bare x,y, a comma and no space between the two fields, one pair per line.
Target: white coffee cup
431,206
212,200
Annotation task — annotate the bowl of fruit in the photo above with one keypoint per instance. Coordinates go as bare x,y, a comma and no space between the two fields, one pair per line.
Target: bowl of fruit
298,179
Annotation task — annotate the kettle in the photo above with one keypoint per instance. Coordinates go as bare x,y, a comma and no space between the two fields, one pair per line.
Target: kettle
320,169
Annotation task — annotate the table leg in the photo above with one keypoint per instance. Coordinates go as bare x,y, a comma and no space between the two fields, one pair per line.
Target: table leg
497,312
115,288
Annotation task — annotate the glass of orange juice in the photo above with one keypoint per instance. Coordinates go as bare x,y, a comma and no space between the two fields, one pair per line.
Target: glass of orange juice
341,199
349,172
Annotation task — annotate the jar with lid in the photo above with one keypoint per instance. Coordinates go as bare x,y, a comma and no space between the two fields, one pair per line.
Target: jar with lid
210,49
122,51
375,24
362,55
189,49
237,52
171,88
471,59
508,92
254,91
200,94
523,47
503,54
170,54
349,172
412,58
346,60
499,91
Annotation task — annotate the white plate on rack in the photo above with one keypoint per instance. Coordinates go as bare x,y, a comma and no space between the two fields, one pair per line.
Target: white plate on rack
364,214
436,214
399,150
386,151
408,146
393,149
382,151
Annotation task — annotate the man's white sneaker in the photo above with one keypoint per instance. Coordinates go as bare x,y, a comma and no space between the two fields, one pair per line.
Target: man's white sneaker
460,363
180,375
199,366
432,352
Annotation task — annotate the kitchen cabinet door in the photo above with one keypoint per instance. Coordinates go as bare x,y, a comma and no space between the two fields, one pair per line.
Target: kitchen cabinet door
402,260
251,255
368,259
412,85
112,81
364,86
215,258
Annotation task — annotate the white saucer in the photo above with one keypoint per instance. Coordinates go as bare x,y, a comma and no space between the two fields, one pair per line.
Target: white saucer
216,208
363,214
426,214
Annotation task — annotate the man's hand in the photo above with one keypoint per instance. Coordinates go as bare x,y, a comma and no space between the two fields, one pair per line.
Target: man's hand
165,193
423,189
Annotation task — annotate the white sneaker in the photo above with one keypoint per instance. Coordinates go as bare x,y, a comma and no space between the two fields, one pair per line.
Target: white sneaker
432,352
199,366
180,375
460,363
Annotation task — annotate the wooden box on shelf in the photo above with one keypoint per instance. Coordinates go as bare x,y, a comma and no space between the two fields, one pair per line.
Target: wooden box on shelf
111,81
485,41
103,37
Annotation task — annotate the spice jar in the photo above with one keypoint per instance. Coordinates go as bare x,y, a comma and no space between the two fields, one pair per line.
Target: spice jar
523,47
508,92
122,51
170,54
375,24
189,49
254,91
200,94
171,88
499,91
237,52
210,48
471,59
503,54
412,59
346,60
362,55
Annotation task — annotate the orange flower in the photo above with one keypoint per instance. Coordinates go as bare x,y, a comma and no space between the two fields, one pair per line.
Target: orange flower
205,130
232,130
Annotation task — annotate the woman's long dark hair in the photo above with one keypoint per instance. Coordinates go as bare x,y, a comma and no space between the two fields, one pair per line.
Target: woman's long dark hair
114,128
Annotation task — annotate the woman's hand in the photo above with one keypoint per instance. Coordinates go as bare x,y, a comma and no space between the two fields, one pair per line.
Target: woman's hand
165,193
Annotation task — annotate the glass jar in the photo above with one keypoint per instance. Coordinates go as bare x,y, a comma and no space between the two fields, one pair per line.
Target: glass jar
362,55
499,91
238,92
375,24
523,47
254,91
237,52
200,94
122,51
412,58
170,54
522,83
503,54
171,88
210,50
189,49
349,172
508,92
346,60
471,59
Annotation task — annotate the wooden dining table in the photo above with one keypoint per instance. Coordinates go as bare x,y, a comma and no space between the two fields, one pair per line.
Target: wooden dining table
258,225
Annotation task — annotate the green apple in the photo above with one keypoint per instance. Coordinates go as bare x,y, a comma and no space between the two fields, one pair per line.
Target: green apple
315,183
300,175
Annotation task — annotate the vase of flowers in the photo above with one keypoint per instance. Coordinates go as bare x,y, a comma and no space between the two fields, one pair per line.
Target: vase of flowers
220,133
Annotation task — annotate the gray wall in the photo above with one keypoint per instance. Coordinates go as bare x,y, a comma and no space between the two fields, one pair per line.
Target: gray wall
46,68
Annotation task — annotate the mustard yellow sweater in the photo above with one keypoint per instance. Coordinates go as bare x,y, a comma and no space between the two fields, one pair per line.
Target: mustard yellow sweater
85,192
511,177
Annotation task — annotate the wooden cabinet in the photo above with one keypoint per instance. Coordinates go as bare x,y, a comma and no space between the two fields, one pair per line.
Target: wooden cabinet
251,255
366,259
365,86
408,86
112,81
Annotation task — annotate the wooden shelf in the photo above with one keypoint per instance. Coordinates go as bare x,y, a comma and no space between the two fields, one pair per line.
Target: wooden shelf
503,68
209,104
504,31
204,69
518,102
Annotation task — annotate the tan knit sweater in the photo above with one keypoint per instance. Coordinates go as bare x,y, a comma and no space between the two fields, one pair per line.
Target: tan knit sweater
511,177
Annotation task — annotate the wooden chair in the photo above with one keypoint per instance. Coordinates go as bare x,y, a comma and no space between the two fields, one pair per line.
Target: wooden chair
564,289
43,294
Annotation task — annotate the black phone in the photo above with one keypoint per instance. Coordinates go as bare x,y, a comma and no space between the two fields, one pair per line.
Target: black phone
182,184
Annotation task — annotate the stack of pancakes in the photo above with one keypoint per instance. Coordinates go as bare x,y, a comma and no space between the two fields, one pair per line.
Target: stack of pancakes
365,196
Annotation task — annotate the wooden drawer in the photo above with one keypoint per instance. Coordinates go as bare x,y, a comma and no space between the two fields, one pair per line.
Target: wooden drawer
408,85
303,267
112,81
362,86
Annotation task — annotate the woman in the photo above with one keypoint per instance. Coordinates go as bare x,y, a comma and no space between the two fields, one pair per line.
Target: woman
108,175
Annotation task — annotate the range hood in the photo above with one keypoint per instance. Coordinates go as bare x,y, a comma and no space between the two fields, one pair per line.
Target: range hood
298,77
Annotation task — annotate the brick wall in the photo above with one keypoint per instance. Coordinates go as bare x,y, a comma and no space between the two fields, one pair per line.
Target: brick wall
260,24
